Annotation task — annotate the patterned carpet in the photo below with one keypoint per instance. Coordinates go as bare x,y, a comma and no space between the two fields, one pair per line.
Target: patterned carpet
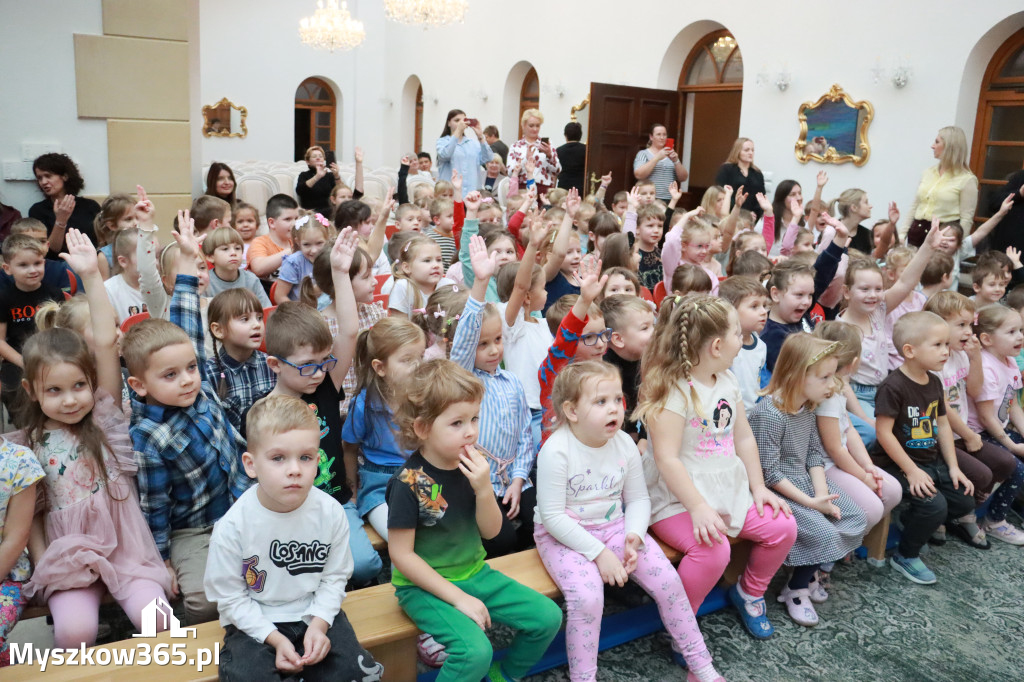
876,625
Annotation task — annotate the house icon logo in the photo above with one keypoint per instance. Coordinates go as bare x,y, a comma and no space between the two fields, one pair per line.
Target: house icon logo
158,616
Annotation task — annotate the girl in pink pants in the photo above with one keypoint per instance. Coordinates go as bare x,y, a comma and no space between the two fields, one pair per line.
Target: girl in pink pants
591,521
702,466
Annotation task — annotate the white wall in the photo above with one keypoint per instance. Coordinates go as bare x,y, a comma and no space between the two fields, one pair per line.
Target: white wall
37,80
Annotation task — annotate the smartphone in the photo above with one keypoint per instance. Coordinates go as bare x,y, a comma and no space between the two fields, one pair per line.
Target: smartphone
670,143
330,158
546,140
472,122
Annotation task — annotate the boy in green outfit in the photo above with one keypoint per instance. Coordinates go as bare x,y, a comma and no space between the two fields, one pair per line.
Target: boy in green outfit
440,504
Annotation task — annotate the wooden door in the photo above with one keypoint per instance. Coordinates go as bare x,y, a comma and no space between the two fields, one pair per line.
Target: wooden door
620,120
716,125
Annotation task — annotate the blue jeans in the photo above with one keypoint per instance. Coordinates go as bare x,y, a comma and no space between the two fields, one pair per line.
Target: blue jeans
364,556
536,423
866,395
863,428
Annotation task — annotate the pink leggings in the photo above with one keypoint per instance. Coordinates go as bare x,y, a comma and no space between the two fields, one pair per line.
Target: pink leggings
874,507
580,582
702,566
76,613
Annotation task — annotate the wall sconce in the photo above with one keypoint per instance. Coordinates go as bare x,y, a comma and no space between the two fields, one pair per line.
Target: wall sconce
432,96
782,79
481,94
899,75
387,101
558,91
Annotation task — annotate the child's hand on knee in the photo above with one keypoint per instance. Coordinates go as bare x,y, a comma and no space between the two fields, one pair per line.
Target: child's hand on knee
629,553
174,578
475,609
315,642
612,570
920,483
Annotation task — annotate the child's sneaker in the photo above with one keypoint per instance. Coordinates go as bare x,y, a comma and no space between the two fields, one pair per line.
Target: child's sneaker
753,613
913,570
1004,531
496,674
818,589
430,651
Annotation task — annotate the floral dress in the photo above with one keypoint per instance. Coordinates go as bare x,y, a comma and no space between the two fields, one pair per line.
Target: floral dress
95,529
18,470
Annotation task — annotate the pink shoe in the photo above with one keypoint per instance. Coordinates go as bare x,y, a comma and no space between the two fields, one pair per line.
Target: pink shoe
692,677
801,612
430,651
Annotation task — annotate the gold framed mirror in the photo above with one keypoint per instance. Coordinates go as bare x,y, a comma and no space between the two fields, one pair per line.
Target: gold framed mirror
834,129
224,119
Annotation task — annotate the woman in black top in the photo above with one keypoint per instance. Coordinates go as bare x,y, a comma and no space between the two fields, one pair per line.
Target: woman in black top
739,170
60,182
314,186
220,182
573,155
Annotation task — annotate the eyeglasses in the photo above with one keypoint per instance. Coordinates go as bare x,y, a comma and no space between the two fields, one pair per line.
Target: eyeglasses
313,367
592,339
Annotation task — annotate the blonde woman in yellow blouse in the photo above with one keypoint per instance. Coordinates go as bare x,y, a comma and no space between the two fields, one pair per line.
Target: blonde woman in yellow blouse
948,191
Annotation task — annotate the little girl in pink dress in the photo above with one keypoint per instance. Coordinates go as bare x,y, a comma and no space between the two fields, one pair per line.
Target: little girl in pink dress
96,538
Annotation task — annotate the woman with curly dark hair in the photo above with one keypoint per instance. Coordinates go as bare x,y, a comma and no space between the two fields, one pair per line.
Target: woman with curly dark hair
60,182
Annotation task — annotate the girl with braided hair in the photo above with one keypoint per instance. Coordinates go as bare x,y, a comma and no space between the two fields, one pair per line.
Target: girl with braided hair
702,466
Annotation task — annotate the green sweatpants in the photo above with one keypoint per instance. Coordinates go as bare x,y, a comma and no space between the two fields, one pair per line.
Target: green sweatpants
536,617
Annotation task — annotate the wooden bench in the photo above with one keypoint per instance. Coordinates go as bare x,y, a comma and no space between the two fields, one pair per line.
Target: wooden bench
379,623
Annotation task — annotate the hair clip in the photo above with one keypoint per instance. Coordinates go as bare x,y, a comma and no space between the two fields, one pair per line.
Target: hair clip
450,320
975,318
825,352
678,299
421,311
439,313
487,200
406,247
322,220
455,288
302,221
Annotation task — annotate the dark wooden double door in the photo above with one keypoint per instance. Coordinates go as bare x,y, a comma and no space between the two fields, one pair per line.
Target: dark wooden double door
621,118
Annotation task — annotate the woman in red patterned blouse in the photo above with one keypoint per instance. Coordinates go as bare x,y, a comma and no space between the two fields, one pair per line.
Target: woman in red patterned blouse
545,159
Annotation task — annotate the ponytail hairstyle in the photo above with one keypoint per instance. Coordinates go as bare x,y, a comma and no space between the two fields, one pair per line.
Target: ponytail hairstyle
847,200
45,350
311,224
71,314
571,382
439,317
436,385
800,353
686,324
112,210
226,306
379,342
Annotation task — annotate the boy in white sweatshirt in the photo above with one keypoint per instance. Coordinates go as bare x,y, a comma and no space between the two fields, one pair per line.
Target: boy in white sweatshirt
279,560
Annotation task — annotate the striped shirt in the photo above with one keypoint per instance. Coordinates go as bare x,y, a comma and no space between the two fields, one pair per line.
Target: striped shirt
505,430
662,176
447,244
190,458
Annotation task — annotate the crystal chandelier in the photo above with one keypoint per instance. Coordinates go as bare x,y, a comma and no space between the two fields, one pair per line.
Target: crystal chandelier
426,12
331,28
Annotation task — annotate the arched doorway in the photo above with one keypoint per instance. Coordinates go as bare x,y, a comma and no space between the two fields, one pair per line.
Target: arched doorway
998,148
711,93
315,115
529,96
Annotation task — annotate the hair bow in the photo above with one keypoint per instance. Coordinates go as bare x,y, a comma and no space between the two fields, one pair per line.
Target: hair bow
322,220
439,313
302,221
421,311
487,200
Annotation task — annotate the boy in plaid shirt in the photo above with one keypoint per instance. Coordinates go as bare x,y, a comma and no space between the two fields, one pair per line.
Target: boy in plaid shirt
189,455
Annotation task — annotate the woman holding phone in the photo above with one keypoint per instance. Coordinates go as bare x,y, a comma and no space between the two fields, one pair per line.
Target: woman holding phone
462,147
659,162
539,150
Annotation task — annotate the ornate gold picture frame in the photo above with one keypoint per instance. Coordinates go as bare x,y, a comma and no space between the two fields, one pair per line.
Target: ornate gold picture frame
224,119
834,129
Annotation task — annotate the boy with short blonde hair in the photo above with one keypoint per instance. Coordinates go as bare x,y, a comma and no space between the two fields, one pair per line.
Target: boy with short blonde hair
279,560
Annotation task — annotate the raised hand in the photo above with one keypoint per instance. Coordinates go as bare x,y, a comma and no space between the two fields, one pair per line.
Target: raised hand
484,264
796,207
540,235
936,236
894,213
606,179
143,207
406,160
674,191
344,250
762,200
457,182
1014,255
63,208
359,154
472,200
741,199
572,202
633,200
591,280
81,255
822,178
1005,207
189,243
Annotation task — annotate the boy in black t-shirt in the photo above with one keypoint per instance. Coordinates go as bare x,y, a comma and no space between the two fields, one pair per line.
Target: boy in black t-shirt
915,441
24,260
310,365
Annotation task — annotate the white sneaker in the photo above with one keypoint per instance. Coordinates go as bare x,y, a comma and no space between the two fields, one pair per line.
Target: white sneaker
1006,532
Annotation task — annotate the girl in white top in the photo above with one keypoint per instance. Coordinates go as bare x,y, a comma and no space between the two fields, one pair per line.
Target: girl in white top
419,271
702,465
868,303
591,521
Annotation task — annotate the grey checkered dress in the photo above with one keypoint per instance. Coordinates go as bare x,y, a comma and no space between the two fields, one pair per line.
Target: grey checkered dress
789,446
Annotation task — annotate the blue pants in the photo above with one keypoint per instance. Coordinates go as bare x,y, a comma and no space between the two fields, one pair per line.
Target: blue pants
536,423
364,556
